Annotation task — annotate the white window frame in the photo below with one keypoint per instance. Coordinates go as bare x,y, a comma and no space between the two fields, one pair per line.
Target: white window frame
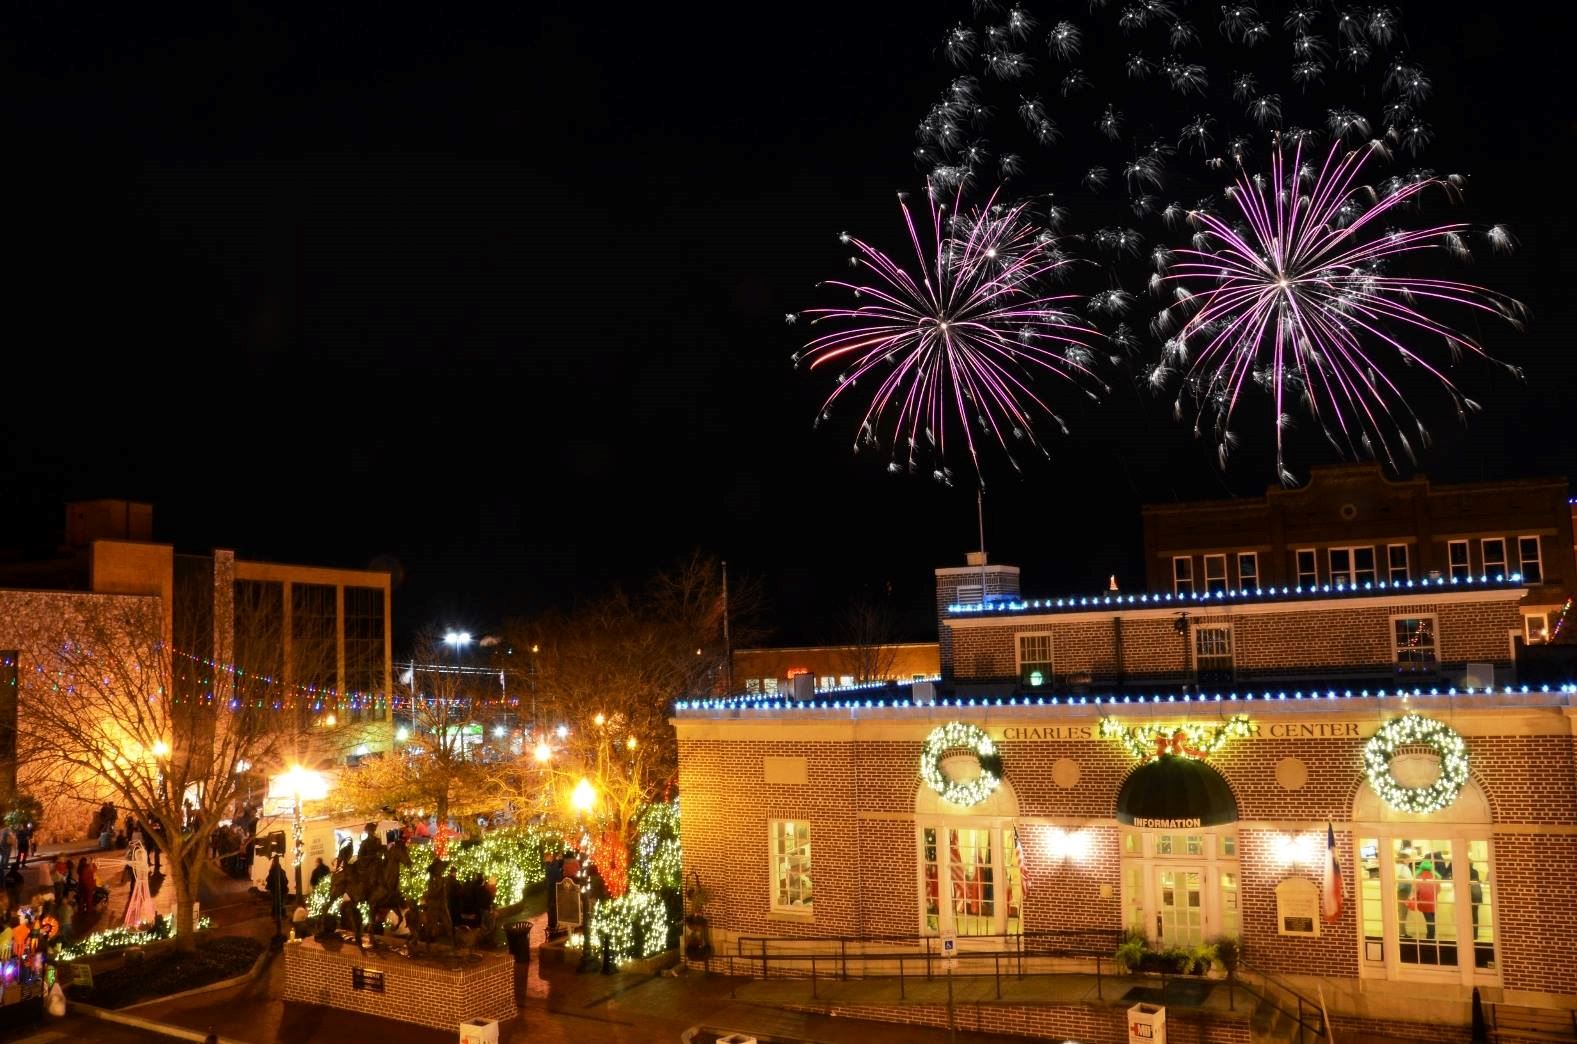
1211,577
1483,557
1538,558
1002,833
1467,560
1297,566
1543,630
775,856
1248,556
1390,965
1407,564
1349,577
1231,653
1186,575
769,686
1434,633
1050,662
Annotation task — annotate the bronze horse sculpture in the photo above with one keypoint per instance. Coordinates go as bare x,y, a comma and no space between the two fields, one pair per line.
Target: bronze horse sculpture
372,878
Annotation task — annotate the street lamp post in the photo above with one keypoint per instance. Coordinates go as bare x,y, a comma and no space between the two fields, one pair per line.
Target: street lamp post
302,785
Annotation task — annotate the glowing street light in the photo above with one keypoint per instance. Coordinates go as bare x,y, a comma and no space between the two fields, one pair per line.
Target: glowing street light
600,720
458,639
563,731
630,743
161,749
543,753
584,796
302,784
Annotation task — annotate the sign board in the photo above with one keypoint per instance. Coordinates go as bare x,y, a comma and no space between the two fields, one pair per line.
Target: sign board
81,974
362,979
950,950
568,900
1297,907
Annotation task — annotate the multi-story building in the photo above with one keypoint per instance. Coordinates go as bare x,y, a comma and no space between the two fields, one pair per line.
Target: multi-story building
1170,765
772,670
1350,526
322,634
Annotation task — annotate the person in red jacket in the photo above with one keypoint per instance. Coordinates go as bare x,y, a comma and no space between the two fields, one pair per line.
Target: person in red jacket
1425,888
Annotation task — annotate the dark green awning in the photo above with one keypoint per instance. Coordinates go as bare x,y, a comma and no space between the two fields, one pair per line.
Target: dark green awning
1175,793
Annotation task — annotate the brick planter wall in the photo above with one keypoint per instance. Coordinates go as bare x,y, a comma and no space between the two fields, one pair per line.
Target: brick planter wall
413,990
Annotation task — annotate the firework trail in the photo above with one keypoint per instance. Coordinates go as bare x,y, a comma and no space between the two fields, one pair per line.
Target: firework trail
1295,299
958,341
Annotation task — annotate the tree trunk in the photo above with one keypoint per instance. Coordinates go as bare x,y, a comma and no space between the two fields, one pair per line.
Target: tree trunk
184,879
443,809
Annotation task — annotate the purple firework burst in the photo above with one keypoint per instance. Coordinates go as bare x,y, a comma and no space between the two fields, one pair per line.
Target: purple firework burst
958,342
1295,299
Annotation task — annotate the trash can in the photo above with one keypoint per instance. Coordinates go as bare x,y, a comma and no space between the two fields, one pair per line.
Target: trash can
517,937
479,1031
1147,1024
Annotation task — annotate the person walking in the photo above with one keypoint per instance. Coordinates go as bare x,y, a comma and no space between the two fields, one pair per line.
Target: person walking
24,843
59,874
87,884
319,872
278,888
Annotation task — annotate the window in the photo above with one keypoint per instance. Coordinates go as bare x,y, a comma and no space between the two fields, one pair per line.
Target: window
1352,566
1215,573
1370,901
1248,570
1182,575
1213,653
1307,575
971,594
1426,903
1457,560
791,864
1396,559
313,648
845,681
365,657
769,686
1414,638
1536,628
753,685
1494,549
1034,660
1426,900
1528,556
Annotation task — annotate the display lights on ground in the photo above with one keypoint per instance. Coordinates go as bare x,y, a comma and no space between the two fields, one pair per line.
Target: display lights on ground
1415,730
115,938
633,926
961,736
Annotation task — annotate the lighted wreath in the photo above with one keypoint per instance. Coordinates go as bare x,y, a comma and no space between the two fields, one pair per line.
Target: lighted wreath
1413,730
958,735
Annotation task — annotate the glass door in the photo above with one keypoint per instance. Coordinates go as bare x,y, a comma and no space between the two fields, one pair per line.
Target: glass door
1179,905
973,884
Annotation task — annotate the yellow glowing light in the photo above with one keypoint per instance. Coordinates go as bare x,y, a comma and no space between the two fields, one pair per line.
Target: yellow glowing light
543,752
161,749
330,721
601,718
630,743
585,795
301,782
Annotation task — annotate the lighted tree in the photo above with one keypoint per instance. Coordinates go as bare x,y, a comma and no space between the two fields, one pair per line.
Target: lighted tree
127,711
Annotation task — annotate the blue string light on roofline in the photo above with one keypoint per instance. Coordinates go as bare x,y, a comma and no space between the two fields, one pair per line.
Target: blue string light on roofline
703,706
1224,597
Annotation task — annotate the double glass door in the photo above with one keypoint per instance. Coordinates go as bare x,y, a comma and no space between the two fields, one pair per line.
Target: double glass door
1180,905
973,883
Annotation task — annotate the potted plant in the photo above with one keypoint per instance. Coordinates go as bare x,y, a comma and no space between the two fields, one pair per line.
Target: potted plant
1131,953
1201,958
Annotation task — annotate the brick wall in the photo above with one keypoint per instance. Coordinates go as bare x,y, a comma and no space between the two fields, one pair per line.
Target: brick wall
1265,643
1538,908
413,990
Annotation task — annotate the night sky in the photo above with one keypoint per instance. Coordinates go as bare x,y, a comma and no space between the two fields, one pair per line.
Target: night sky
497,297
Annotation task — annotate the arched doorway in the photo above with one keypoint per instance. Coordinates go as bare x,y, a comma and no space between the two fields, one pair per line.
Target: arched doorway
971,879
1181,883
1426,884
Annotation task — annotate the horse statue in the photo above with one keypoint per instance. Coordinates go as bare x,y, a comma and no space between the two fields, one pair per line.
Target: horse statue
372,878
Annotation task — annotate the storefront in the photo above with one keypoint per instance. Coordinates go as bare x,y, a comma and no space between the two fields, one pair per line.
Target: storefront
1178,820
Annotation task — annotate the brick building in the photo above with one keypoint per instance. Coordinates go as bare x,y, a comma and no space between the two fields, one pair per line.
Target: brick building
1350,525
1082,770
318,630
770,670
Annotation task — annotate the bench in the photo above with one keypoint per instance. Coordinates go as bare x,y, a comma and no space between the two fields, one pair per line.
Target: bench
1512,1023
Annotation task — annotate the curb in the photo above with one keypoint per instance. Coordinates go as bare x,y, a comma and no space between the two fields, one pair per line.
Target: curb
223,984
137,1022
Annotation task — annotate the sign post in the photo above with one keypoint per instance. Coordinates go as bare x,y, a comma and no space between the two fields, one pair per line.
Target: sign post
950,950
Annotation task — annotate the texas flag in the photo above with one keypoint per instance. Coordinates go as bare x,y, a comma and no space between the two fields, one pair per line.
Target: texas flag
1333,877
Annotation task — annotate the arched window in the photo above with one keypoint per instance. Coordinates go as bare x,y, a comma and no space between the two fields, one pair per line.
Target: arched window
1426,884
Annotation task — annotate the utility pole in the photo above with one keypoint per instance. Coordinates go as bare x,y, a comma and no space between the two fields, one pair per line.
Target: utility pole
728,644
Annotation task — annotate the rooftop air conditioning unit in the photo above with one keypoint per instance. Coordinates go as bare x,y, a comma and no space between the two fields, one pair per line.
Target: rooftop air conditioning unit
1479,676
924,693
804,687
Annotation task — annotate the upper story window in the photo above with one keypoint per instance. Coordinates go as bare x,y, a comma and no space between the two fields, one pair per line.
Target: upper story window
1248,570
1308,573
1352,566
1457,560
1398,569
1536,627
1528,556
1182,575
1213,652
1034,660
1494,552
1413,642
753,685
1215,573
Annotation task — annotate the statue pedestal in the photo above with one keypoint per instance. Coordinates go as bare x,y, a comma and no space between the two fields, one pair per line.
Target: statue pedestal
418,990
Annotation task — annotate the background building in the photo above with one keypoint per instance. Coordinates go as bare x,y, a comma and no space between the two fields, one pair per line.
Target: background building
324,633
770,670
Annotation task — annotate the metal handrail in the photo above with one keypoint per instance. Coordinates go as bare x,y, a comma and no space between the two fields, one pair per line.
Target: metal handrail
1104,938
1307,1007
